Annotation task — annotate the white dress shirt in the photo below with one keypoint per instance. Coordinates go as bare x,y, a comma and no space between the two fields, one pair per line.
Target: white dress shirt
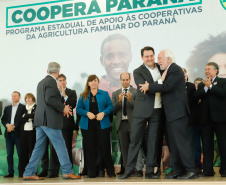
66,97
206,88
156,76
29,125
13,114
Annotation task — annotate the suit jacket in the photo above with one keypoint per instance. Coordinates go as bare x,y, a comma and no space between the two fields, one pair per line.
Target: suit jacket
144,103
6,118
213,103
104,105
173,93
118,106
78,117
27,116
192,103
69,122
49,111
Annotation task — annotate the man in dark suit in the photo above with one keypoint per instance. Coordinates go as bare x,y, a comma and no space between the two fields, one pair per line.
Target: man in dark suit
194,127
212,93
11,121
123,101
48,121
174,98
147,109
68,97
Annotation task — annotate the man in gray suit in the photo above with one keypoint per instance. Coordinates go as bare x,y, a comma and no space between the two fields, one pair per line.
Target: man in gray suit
48,121
123,101
147,109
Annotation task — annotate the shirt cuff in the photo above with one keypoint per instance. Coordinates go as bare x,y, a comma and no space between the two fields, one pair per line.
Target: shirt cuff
65,99
211,86
205,89
160,81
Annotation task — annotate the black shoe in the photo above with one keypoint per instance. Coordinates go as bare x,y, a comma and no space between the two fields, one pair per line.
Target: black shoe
158,173
128,174
43,174
223,175
206,174
121,172
151,175
189,175
101,174
84,172
52,175
172,175
112,175
9,175
20,174
199,170
139,173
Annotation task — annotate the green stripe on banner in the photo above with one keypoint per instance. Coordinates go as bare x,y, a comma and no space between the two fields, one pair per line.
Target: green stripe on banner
97,16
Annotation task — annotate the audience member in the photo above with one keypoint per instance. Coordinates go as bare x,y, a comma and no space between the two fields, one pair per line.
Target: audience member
27,132
11,121
95,106
212,93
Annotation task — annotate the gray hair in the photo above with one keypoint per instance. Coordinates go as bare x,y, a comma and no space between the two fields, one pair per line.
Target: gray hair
169,53
53,68
198,79
215,66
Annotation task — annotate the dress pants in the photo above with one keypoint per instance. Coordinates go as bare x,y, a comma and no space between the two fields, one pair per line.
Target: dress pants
195,134
159,140
208,145
54,162
45,158
99,161
220,130
181,154
96,137
137,133
56,137
27,143
124,141
12,140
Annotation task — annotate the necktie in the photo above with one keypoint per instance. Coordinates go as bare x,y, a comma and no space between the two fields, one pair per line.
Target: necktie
62,99
208,91
125,102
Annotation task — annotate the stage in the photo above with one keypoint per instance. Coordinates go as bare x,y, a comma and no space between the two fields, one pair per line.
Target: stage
217,179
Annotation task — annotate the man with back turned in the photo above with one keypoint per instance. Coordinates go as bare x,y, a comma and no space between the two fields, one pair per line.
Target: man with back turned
48,121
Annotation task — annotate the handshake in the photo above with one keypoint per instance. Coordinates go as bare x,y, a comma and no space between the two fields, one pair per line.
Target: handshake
10,127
